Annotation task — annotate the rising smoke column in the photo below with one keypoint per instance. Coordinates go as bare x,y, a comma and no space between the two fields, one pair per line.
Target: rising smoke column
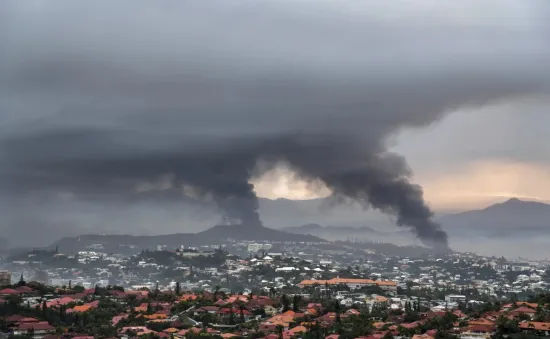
201,91
377,179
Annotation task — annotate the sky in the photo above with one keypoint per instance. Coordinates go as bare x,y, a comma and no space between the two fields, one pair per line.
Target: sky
468,160
141,113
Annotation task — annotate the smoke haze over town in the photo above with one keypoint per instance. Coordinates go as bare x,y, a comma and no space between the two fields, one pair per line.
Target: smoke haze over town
142,117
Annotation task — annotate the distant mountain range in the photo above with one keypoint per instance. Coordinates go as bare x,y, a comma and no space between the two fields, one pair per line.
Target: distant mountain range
513,217
333,232
212,236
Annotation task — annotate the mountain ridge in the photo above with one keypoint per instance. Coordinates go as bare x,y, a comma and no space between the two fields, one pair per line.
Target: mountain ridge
215,235
511,217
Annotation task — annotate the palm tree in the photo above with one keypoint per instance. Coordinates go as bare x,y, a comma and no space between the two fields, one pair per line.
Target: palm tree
216,291
279,329
241,311
337,310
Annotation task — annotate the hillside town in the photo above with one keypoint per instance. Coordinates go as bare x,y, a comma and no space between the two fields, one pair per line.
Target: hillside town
335,291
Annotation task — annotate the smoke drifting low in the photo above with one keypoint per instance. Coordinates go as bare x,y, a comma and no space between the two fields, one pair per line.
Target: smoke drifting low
101,100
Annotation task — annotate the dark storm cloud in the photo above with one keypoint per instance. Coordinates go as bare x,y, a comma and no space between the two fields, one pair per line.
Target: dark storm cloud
98,98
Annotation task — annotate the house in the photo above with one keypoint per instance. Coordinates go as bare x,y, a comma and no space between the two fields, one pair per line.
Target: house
508,307
8,291
227,311
117,318
539,328
422,336
270,310
28,320
294,332
139,330
311,312
39,329
80,309
351,283
25,290
352,311
269,327
207,309
60,301
480,329
455,298
523,310
388,286
480,322
156,316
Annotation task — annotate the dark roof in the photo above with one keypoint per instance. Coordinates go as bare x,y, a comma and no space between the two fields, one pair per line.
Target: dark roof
14,318
24,289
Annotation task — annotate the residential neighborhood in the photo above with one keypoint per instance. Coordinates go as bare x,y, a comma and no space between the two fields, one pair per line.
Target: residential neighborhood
335,292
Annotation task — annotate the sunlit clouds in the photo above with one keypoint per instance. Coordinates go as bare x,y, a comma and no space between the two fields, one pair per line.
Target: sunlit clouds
473,185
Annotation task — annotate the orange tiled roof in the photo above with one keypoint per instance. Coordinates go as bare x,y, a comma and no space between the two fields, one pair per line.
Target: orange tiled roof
482,321
311,311
538,326
187,297
82,308
378,325
155,316
524,303
298,329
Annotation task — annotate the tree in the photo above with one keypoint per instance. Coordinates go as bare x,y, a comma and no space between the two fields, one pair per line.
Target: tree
44,310
337,310
327,289
279,329
241,311
216,291
231,316
296,303
178,288
21,281
285,302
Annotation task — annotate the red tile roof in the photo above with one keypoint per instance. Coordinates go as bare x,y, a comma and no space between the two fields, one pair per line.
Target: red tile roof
41,326
525,310
537,326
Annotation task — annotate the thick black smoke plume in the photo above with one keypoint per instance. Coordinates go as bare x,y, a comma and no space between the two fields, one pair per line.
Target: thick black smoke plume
101,100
